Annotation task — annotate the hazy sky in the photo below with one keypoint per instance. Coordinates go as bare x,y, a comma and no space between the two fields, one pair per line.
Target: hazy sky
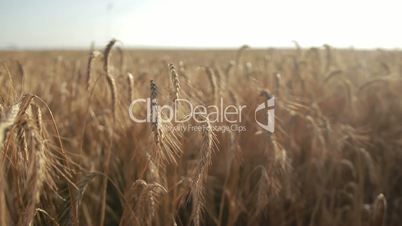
201,23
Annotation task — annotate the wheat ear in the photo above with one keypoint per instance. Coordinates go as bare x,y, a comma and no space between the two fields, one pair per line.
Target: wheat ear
91,61
197,190
130,80
213,83
110,78
380,209
175,81
155,122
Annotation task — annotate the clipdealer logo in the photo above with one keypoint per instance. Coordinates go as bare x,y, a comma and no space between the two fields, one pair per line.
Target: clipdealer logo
224,117
269,107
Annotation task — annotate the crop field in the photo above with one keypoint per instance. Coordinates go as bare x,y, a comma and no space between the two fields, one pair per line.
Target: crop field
281,137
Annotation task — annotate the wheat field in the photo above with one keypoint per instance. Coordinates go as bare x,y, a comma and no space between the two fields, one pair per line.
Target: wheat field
71,154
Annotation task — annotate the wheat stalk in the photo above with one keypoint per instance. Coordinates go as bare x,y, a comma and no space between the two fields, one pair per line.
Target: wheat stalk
175,81
277,77
213,83
155,120
40,176
110,78
91,61
201,172
130,80
328,54
380,210
240,52
39,120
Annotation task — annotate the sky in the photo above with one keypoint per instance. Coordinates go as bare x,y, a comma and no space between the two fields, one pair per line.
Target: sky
55,24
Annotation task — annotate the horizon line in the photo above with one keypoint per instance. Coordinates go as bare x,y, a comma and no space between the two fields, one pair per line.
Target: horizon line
165,47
